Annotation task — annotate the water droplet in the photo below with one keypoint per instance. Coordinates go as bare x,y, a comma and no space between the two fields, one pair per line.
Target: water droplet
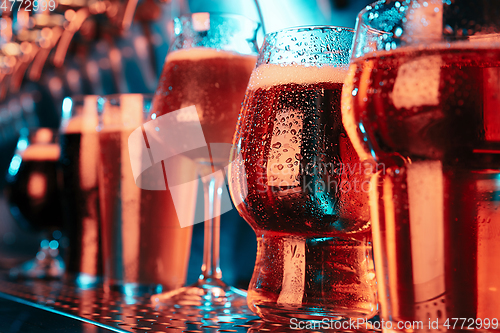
277,145
280,166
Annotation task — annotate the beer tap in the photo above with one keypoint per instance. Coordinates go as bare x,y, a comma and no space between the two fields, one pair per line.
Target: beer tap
50,31
7,64
75,21
27,52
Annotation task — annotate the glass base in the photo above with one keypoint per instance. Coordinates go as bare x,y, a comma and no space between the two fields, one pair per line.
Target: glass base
132,289
83,281
312,278
321,313
211,293
45,265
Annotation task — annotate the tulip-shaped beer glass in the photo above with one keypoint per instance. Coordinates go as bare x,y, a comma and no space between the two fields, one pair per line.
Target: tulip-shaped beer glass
208,67
422,99
297,181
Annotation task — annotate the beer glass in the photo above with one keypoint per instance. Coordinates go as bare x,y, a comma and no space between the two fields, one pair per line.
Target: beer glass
420,103
144,248
296,179
79,153
208,67
32,192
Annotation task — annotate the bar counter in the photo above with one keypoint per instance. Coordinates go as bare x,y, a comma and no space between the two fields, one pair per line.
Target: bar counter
38,306
99,311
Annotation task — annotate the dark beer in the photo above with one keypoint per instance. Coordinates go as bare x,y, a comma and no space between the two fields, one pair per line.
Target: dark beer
305,194
33,192
79,153
432,117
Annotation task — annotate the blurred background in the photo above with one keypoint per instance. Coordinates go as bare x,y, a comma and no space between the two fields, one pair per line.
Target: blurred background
80,47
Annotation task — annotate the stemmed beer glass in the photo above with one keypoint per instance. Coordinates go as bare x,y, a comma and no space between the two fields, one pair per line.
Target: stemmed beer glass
208,67
33,195
297,181
421,99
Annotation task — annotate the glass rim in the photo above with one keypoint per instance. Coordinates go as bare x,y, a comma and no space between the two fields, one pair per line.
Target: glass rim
365,10
423,39
116,97
33,130
80,97
106,105
373,30
124,94
304,28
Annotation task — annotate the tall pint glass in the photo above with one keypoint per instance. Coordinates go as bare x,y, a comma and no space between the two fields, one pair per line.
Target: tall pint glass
80,203
145,249
297,181
422,99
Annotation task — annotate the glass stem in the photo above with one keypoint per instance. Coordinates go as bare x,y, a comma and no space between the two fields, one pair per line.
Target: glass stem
212,187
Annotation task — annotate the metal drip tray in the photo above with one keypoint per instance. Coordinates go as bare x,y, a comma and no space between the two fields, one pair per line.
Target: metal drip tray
117,312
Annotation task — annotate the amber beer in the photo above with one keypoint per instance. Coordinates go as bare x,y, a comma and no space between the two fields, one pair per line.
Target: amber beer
79,153
212,80
305,198
144,246
432,117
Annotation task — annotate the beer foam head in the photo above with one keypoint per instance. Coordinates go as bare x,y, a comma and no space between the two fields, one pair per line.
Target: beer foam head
41,152
271,75
199,53
125,114
80,124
